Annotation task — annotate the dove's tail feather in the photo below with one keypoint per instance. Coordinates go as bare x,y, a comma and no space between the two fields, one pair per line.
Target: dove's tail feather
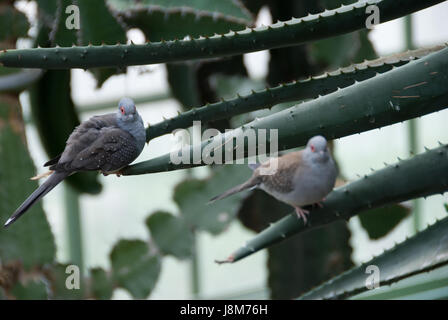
250,184
44,188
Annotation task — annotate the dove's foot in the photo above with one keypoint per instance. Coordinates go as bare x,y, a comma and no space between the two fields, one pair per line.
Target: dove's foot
319,204
118,173
301,213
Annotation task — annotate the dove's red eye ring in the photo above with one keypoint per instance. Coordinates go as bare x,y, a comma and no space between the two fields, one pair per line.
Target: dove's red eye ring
312,148
122,110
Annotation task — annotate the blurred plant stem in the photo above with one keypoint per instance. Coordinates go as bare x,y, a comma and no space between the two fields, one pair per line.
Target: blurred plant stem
195,281
194,264
73,227
412,124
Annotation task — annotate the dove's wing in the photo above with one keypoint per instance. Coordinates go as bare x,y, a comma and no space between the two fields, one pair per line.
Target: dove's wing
97,144
281,181
82,136
286,168
112,149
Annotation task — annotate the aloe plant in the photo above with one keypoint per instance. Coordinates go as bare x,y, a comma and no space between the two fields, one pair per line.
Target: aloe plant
293,32
192,38
288,92
395,96
424,252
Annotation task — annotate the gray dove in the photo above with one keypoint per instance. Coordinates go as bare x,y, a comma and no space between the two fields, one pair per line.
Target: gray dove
301,178
105,143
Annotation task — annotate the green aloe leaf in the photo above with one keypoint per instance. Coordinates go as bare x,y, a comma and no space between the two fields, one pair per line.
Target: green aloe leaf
429,285
225,7
101,285
210,15
134,268
293,32
192,197
289,92
171,234
428,250
379,222
158,24
420,176
333,4
400,94
30,240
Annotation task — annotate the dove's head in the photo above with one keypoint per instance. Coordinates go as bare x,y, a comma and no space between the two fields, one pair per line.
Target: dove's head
127,112
129,120
317,149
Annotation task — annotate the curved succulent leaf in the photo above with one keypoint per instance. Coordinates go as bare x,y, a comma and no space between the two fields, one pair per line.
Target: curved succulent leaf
282,34
426,251
232,8
168,24
294,91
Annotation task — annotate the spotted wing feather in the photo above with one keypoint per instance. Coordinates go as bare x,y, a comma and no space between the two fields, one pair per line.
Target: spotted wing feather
112,150
97,144
282,180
